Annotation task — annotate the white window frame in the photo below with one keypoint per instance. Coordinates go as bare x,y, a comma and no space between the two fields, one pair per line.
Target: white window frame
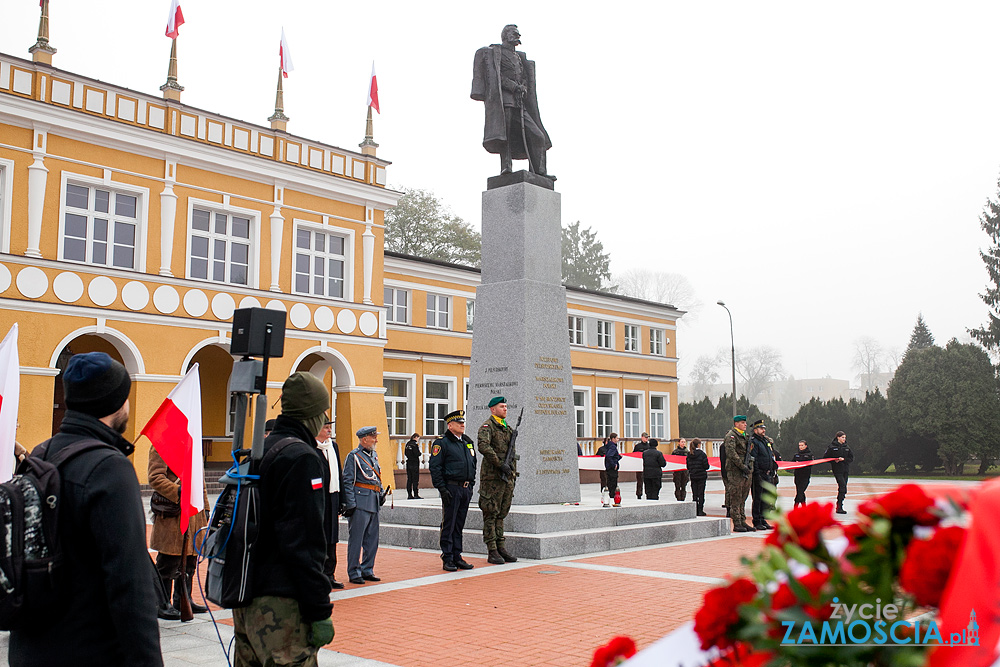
605,333
6,202
449,403
657,344
584,409
141,214
344,233
437,310
602,430
666,413
409,379
638,413
470,313
575,326
253,271
632,343
391,319
465,396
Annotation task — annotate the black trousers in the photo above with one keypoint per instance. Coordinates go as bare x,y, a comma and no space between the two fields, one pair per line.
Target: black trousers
757,506
453,521
698,493
639,478
801,484
332,535
841,478
612,482
653,485
680,484
412,479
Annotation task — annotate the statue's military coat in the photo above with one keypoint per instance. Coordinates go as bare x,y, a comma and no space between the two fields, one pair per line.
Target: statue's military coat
486,88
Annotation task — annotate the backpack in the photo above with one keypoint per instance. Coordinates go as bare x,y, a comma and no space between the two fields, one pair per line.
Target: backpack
233,530
31,556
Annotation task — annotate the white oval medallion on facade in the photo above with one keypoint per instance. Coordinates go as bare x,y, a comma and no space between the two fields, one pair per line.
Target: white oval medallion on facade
135,295
300,316
4,278
68,287
195,303
102,291
324,318
166,299
368,323
223,306
274,304
32,282
346,321
249,302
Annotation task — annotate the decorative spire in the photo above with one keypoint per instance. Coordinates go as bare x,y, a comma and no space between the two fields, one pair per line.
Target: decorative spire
279,121
171,89
368,146
42,51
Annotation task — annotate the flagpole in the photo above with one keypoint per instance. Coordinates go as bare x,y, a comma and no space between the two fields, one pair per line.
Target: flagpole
279,120
42,51
171,89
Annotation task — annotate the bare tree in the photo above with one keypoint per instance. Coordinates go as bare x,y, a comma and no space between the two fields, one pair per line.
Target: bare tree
704,374
660,286
870,360
757,367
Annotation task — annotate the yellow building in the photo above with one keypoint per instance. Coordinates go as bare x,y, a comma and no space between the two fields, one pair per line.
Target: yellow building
135,224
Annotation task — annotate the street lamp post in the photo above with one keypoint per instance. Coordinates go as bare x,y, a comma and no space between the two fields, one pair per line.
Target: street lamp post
732,340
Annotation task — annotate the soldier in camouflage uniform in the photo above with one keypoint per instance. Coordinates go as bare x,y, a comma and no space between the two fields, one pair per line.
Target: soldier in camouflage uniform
738,473
496,479
273,627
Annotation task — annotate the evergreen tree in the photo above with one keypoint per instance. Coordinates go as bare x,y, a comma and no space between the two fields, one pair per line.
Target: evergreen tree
921,338
989,334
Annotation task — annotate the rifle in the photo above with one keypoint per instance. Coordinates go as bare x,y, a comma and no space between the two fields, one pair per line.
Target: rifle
510,448
181,581
749,459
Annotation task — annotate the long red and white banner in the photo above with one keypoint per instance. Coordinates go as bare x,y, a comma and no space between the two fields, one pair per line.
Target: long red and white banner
632,462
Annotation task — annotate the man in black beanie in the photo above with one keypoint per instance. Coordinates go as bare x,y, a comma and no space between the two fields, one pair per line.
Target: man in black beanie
107,618
289,617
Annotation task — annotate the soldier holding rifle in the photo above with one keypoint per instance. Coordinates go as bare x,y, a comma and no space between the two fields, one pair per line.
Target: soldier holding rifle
497,476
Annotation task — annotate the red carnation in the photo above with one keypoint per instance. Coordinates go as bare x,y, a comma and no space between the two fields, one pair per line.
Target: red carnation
907,502
742,655
854,533
608,655
806,523
928,565
720,612
813,582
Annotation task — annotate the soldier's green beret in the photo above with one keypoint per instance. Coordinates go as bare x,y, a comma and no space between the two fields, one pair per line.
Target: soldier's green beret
496,400
739,418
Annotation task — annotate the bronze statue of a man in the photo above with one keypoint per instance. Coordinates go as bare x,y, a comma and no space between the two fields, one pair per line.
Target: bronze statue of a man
504,79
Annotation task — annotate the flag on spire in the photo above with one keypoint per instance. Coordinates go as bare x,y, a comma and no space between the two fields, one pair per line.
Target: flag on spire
175,431
10,389
286,55
373,91
175,19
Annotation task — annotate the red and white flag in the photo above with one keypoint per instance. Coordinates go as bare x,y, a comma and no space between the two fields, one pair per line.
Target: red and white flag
175,19
286,55
175,431
373,91
10,390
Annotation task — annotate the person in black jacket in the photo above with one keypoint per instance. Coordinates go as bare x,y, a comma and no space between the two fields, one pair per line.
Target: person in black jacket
839,450
611,459
453,473
289,615
412,453
802,474
697,467
331,525
764,466
680,476
652,469
107,617
601,451
640,447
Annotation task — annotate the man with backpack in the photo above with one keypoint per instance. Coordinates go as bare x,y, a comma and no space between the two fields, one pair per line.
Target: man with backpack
288,618
104,616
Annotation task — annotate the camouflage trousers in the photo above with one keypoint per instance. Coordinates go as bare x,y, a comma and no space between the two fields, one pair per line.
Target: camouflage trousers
737,490
494,501
270,632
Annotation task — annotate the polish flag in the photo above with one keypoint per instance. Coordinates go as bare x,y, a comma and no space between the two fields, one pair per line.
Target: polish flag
10,389
286,55
175,431
373,91
175,19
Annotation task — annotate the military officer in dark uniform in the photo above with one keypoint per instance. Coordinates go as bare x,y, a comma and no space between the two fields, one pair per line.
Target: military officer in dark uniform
764,466
453,473
496,479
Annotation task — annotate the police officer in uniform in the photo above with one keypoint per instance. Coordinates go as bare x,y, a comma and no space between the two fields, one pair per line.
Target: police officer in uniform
496,487
739,470
453,473
764,466
362,498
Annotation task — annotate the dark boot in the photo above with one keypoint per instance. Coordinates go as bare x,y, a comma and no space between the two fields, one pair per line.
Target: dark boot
195,607
495,558
166,611
506,555
840,509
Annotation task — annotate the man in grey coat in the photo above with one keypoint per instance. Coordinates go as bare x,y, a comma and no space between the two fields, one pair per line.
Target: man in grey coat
361,497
